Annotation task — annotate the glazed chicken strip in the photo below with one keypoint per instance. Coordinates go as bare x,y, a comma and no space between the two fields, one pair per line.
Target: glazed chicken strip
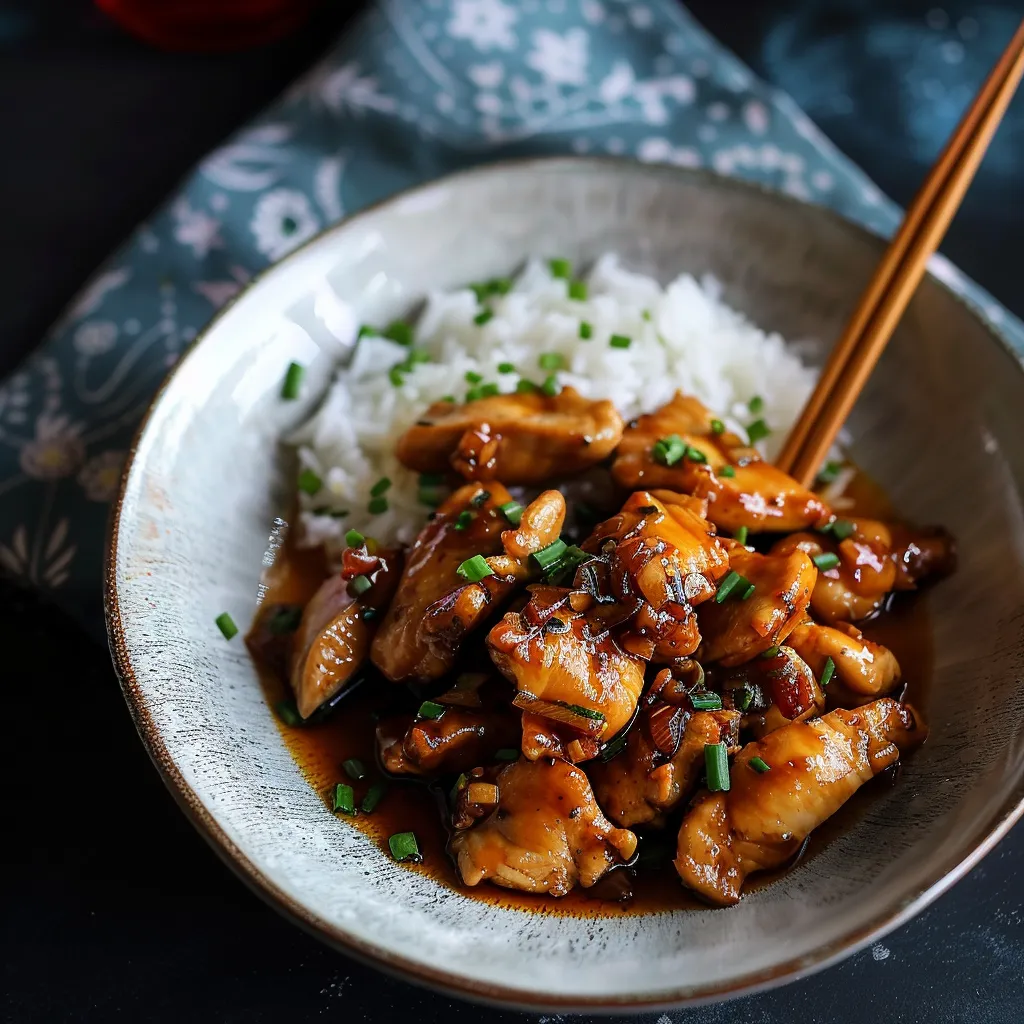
739,628
663,758
741,489
813,769
546,834
861,665
449,619
875,558
436,607
519,438
333,638
575,687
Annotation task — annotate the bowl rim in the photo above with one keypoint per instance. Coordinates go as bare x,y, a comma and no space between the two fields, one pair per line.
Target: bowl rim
380,957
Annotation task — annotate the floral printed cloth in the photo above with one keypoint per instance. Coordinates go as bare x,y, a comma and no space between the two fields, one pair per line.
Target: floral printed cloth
413,91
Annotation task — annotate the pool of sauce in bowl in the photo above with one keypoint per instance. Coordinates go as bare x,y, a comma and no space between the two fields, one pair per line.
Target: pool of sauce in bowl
411,806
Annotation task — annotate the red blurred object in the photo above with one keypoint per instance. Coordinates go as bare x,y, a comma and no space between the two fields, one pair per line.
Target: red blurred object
207,25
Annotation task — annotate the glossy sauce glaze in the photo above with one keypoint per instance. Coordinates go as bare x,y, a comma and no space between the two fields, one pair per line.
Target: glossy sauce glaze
652,885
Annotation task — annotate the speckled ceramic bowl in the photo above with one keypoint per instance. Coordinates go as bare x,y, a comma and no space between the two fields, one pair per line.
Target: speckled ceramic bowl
941,426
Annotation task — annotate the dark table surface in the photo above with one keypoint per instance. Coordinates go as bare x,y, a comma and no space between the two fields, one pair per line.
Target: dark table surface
111,906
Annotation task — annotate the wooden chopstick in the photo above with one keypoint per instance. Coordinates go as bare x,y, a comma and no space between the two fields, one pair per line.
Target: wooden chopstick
898,275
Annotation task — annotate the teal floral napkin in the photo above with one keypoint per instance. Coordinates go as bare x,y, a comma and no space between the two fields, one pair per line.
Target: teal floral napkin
413,91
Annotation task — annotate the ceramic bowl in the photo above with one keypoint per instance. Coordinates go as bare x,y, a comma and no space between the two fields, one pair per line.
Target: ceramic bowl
941,427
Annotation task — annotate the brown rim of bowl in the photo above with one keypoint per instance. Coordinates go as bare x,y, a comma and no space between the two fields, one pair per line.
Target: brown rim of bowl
452,984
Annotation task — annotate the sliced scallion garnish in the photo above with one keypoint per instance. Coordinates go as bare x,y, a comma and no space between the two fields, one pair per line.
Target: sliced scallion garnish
293,381
354,768
354,538
586,330
551,361
669,450
284,620
620,341
771,652
741,535
403,846
472,377
226,625
756,404
560,268
706,701
396,376
506,368
374,795
525,387
830,472
717,427
734,585
578,291
512,511
826,560
380,487
475,569
726,471
377,506
398,331
430,709
757,431
759,765
359,585
288,712
463,519
550,386
716,764
842,528
483,316
827,672
551,554
309,482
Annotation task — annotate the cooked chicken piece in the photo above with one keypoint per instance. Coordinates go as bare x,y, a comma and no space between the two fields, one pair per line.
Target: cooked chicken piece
666,555
860,664
875,558
756,495
520,438
460,611
333,638
740,627
546,834
575,687
774,691
459,740
469,523
662,760
813,769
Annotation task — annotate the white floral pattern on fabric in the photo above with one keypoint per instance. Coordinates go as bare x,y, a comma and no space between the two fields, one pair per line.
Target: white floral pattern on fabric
282,220
100,476
411,91
487,24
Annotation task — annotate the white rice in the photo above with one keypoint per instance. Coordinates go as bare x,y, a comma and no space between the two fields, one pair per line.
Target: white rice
683,338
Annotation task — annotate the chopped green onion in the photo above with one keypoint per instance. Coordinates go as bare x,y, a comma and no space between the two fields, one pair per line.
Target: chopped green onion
771,652
574,556
284,620
431,479
759,765
506,368
449,398
354,768
706,701
550,386
748,593
475,569
716,763
374,795
827,672
480,499
733,585
369,614
460,784
525,387
826,560
398,331
432,496
646,314
578,291
741,535
403,846
757,431
293,380
756,404
474,394
395,376
746,699
488,390
463,519
288,712
360,585
560,268
551,554
669,450
354,538
309,482
512,511
483,316
586,330
727,471
614,747
551,361
380,487
620,341
830,472
472,377
417,355
717,427
334,513
578,709
430,709
506,754
496,286
377,506
695,455
226,625
366,331
842,528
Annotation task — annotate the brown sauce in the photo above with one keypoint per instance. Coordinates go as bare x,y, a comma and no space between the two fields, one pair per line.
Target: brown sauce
411,806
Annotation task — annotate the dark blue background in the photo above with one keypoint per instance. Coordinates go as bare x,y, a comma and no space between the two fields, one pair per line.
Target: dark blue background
111,907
